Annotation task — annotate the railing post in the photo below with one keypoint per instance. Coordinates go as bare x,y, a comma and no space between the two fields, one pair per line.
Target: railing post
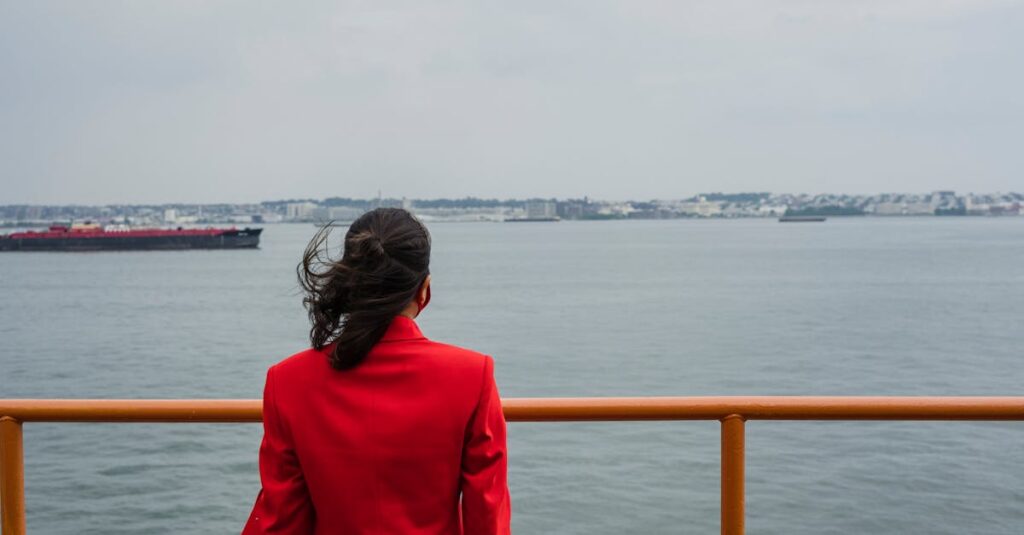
12,477
732,475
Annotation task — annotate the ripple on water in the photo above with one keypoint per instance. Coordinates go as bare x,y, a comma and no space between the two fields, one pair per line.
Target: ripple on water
852,307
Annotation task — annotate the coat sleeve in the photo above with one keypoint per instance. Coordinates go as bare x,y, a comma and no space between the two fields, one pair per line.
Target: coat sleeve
283,504
486,506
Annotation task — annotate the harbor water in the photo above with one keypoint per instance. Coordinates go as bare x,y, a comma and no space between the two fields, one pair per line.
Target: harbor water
852,306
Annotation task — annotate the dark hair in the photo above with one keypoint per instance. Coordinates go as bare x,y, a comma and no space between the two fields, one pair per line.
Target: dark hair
352,300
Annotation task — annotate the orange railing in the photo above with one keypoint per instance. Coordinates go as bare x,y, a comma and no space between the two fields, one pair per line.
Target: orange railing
731,411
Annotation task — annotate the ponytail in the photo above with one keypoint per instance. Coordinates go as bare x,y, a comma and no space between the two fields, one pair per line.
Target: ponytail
352,301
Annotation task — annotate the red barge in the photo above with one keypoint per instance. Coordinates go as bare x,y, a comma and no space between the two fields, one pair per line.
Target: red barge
91,237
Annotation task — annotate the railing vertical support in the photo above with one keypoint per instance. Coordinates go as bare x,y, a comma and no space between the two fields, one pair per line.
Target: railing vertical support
732,475
12,477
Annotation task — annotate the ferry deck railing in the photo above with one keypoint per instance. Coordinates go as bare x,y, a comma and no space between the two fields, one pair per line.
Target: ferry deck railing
732,412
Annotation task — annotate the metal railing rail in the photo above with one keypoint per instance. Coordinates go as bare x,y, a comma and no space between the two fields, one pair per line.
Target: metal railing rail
732,412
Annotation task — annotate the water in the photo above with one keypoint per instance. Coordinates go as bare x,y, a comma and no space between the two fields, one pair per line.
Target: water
925,306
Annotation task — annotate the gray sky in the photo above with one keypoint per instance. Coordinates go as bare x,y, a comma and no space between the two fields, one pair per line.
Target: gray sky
104,102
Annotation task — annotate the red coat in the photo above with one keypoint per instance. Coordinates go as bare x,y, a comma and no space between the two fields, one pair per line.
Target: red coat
410,441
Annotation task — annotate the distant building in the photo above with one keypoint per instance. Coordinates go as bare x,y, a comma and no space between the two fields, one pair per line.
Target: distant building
170,215
701,208
344,213
771,210
571,210
31,213
541,210
943,198
976,206
299,210
381,202
889,208
918,208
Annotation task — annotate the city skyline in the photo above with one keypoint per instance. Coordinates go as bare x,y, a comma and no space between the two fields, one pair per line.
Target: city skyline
708,205
380,194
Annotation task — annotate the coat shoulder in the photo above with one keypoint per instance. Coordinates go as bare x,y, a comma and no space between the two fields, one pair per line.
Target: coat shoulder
306,360
458,355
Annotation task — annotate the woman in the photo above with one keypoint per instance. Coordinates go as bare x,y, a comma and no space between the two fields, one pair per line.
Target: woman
377,429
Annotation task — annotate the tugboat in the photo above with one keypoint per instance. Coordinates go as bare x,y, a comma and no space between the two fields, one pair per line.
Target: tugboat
93,237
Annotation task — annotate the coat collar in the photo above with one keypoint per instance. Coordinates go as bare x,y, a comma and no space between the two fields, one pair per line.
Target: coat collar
402,328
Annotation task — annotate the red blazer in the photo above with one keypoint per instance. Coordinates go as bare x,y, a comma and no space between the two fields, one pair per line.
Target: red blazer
410,441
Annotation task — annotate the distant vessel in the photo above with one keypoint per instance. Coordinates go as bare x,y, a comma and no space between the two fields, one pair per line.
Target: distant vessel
532,219
93,237
801,219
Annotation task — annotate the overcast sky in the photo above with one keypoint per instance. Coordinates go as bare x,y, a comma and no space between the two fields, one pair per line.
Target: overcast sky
104,102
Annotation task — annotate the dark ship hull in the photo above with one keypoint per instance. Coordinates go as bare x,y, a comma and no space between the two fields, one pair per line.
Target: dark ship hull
801,219
158,240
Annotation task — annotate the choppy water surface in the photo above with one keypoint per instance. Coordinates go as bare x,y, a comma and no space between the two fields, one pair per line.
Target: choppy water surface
852,306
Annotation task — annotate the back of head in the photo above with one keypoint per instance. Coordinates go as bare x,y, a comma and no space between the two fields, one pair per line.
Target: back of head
352,300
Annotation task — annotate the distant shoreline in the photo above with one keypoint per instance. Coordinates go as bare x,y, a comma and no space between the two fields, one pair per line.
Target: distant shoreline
715,205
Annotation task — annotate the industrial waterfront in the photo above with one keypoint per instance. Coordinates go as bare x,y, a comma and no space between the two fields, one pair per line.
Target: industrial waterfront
700,206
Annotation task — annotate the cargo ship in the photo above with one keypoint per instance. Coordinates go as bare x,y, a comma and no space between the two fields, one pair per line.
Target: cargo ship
93,237
801,219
